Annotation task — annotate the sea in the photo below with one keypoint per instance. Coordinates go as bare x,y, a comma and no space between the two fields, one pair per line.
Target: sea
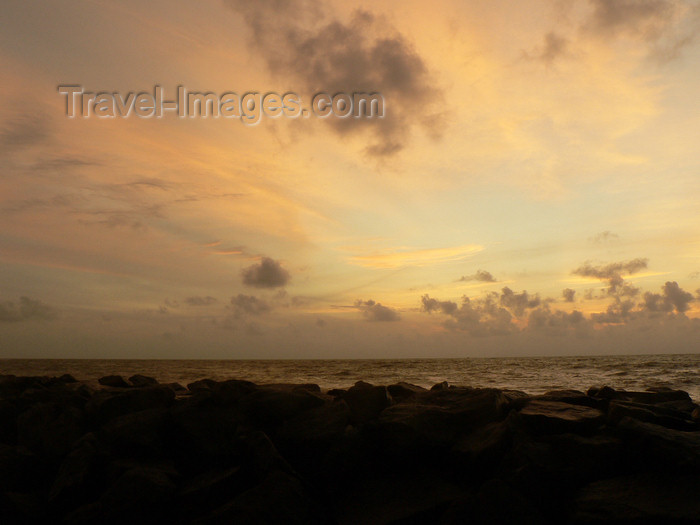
534,375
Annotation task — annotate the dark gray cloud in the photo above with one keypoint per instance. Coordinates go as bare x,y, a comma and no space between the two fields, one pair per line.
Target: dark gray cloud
518,302
480,275
430,305
200,301
612,273
305,41
267,274
569,295
672,297
373,311
26,310
645,18
249,305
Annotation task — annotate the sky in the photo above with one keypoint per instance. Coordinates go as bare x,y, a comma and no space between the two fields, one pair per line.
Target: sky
532,188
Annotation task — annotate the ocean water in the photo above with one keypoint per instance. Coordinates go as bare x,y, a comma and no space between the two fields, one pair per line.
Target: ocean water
533,375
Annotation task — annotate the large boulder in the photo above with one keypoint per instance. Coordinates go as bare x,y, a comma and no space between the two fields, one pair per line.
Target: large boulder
114,381
106,405
139,380
662,449
50,429
639,499
556,417
366,401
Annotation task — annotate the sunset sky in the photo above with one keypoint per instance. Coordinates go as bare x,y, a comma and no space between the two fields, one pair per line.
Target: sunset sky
534,188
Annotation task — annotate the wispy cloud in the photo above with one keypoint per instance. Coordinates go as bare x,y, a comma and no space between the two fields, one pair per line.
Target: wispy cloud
424,257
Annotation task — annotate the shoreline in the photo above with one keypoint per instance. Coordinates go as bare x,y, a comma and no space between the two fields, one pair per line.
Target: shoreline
238,452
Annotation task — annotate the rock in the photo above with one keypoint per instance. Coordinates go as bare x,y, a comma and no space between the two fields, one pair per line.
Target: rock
279,499
202,384
573,397
306,439
663,449
639,499
141,495
605,392
177,388
203,436
141,380
67,378
139,434
231,391
75,483
8,421
271,407
22,507
113,381
401,391
106,405
50,429
653,396
495,503
440,386
657,414
212,489
19,469
261,455
555,417
485,447
366,401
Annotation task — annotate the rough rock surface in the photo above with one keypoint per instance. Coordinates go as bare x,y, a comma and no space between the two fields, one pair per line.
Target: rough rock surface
236,452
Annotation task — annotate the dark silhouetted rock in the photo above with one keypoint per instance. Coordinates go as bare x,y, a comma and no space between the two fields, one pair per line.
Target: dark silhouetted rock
440,386
75,482
50,428
113,381
141,380
270,407
279,499
141,495
557,417
657,414
202,384
401,391
105,405
139,434
366,401
640,499
496,503
659,447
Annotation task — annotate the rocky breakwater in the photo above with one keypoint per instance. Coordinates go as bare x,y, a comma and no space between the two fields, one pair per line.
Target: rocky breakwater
135,451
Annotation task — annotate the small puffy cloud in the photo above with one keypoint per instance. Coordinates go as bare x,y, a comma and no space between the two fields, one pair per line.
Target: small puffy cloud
200,301
569,295
480,275
267,274
373,311
249,305
27,309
